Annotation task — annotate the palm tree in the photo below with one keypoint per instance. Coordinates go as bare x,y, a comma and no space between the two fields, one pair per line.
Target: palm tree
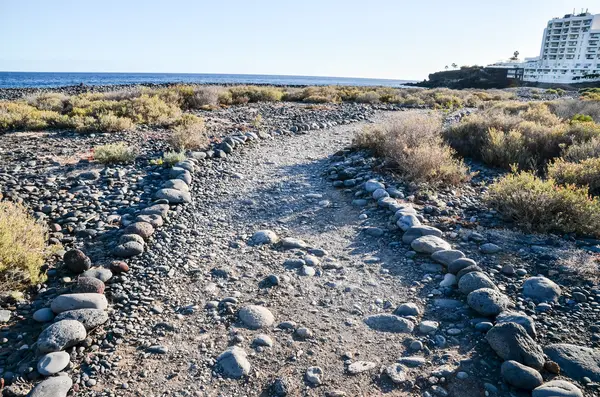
446,67
454,65
515,56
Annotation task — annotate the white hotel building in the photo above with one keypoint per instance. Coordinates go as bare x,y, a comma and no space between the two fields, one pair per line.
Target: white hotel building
570,50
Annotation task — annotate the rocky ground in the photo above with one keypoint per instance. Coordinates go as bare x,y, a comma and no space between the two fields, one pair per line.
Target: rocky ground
290,273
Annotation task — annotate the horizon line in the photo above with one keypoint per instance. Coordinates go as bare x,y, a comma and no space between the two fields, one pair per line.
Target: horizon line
217,74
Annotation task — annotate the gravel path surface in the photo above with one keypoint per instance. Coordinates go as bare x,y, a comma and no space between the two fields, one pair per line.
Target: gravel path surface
204,259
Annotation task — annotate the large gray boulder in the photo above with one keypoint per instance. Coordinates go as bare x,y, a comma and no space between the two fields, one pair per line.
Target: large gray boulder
520,376
488,302
233,362
510,341
61,335
67,302
389,323
576,362
57,386
557,388
90,318
541,289
429,244
520,318
473,281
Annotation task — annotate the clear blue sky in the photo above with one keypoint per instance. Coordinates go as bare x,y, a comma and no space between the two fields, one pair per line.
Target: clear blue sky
403,39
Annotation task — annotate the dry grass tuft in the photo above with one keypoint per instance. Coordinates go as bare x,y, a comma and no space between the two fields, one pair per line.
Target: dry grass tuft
22,247
188,133
413,147
543,206
114,153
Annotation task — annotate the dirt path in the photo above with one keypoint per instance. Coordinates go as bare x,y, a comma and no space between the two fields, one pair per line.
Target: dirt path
203,258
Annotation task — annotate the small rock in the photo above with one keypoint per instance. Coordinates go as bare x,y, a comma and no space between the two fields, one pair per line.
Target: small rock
76,261
557,388
361,366
313,375
520,376
53,363
57,386
233,362
60,335
256,317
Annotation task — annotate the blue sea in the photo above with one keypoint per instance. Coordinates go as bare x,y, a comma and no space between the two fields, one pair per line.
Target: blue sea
42,79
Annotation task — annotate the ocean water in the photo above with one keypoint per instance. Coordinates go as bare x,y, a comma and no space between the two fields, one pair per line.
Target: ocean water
42,79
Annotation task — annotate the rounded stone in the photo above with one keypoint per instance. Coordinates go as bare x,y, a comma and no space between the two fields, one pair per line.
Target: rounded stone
173,196
128,249
88,284
520,376
57,386
125,238
61,335
389,323
396,372
446,257
407,309
541,289
67,302
473,281
44,315
510,341
256,317
488,302
457,265
265,237
557,388
99,273
314,375
90,318
76,261
53,363
429,244
118,267
143,229
233,362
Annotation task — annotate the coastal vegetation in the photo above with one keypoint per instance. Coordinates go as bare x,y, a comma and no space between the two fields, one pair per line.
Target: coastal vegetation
22,247
123,109
114,153
413,148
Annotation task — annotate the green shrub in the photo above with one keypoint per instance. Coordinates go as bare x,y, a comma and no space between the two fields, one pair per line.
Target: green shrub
567,108
112,123
413,147
172,158
114,153
201,97
151,110
527,134
22,247
543,206
189,132
585,173
245,94
582,118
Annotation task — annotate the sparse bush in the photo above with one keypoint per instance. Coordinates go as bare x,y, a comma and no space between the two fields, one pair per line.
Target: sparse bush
245,94
506,132
202,97
566,109
189,132
151,110
53,101
114,153
580,151
172,158
413,147
584,173
367,97
543,206
112,123
22,247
